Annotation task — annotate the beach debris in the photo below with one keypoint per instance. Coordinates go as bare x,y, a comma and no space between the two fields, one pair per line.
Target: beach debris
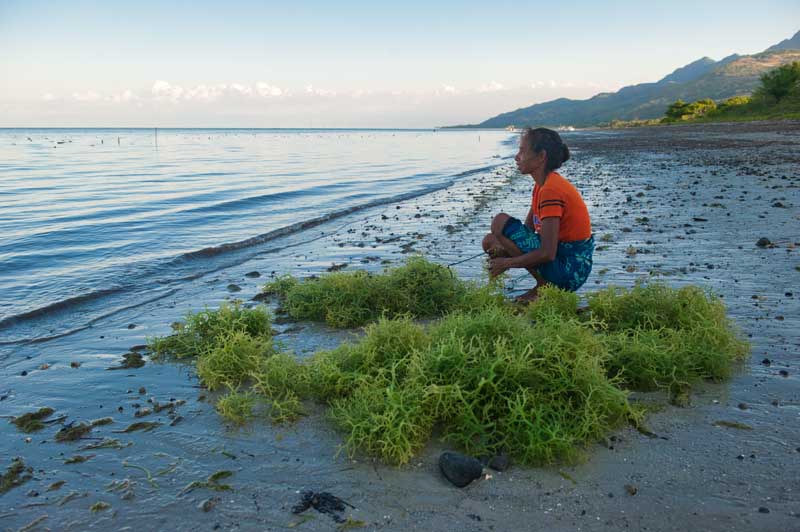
79,459
123,487
303,519
131,360
212,482
206,505
106,443
732,425
158,407
350,524
56,485
324,503
459,469
631,489
148,474
32,421
175,421
764,242
33,524
336,267
763,510
16,475
72,495
75,364
99,506
73,432
567,476
145,426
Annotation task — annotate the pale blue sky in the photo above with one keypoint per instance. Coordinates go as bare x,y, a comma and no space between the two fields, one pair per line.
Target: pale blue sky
344,63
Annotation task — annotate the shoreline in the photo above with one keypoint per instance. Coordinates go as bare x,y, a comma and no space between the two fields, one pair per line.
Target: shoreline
694,479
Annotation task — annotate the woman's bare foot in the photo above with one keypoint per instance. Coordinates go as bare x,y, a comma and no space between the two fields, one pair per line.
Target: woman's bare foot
529,296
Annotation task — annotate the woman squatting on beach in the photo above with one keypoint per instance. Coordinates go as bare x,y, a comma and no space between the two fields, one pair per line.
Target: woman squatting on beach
555,242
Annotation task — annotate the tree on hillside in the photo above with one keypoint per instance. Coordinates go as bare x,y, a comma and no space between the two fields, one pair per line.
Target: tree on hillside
780,82
676,110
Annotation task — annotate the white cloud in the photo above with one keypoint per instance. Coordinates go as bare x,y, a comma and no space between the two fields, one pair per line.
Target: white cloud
241,89
265,90
493,86
163,90
48,97
310,89
449,89
88,96
123,97
205,93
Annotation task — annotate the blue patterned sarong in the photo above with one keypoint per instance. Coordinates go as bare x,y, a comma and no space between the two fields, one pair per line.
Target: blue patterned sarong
573,262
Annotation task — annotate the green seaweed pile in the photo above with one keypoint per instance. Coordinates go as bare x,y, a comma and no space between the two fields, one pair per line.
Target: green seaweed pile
538,383
419,288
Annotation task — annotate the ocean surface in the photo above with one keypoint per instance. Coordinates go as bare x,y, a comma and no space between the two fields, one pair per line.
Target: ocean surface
90,213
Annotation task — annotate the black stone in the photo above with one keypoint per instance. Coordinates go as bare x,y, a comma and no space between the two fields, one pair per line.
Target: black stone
234,288
459,468
763,242
501,462
763,510
252,275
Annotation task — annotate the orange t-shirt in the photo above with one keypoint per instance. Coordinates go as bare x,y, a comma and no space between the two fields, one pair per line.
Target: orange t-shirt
558,197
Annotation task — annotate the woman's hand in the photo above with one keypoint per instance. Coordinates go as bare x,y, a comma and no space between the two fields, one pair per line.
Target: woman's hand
498,265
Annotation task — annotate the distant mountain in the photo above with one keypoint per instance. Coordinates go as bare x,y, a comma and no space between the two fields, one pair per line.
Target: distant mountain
705,78
786,44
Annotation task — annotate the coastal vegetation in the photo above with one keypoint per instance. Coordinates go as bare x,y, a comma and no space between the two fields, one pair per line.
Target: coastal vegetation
537,383
777,97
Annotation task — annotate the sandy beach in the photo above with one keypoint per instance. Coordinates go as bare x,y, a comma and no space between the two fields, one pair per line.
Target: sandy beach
682,204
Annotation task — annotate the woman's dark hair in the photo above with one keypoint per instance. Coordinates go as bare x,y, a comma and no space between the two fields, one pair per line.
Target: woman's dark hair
548,140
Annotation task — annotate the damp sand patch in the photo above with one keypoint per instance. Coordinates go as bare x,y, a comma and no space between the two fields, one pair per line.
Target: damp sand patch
537,383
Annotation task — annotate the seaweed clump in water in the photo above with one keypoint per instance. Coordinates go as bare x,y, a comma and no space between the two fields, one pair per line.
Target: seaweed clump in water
16,475
538,383
32,421
232,345
229,343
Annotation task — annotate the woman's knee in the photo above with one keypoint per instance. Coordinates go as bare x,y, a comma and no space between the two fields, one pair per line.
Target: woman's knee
489,242
499,223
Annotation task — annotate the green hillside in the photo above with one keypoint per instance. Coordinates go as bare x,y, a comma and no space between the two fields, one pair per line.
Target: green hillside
719,80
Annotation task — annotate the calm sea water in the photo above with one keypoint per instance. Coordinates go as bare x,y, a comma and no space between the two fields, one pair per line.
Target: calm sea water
90,212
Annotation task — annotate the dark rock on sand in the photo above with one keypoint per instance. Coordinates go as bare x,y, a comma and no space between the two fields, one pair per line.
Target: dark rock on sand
234,288
763,242
501,462
459,469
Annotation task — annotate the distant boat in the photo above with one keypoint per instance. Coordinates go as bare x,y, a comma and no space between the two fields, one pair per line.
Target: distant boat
565,128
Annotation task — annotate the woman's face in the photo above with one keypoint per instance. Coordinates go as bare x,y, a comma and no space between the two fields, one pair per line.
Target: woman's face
528,161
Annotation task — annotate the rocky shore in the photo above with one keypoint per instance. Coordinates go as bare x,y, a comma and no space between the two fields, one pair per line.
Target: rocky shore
714,205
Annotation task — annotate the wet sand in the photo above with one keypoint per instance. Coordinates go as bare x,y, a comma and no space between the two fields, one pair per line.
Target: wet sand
691,201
